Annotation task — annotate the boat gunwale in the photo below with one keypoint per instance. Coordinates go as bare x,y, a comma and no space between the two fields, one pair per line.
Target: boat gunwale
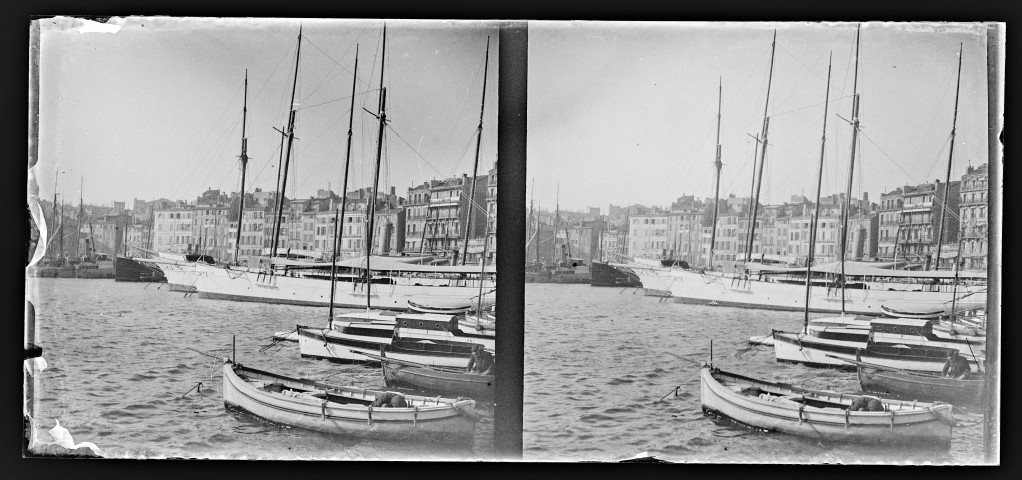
439,402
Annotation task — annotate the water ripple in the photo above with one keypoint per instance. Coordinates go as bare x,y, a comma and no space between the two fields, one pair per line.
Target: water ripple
619,369
118,374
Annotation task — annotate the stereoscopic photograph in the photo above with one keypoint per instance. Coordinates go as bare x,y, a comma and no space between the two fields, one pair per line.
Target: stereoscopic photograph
720,242
760,243
264,239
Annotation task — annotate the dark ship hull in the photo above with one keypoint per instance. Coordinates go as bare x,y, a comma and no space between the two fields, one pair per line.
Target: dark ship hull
128,270
604,275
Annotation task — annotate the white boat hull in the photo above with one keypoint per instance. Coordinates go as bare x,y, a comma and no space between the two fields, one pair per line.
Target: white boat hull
221,283
714,289
180,277
901,423
421,420
337,346
314,343
809,350
656,282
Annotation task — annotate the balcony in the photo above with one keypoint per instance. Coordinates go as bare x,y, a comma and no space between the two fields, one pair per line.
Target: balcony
442,201
918,207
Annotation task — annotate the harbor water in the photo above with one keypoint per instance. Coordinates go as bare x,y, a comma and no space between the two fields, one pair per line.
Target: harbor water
598,359
121,374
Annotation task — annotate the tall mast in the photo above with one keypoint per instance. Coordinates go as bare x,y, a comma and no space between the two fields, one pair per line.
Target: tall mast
62,233
376,176
851,168
958,260
339,227
425,224
92,241
475,167
152,222
816,215
567,240
56,221
287,156
716,165
244,162
482,270
539,262
216,232
534,236
752,189
78,231
947,180
557,221
897,236
762,158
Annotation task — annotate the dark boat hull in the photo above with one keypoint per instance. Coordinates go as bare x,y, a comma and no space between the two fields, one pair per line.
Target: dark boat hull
605,275
438,381
128,270
923,387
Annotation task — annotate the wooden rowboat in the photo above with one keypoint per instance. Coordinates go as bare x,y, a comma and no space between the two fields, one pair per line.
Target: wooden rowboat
818,414
431,379
345,410
929,314
919,385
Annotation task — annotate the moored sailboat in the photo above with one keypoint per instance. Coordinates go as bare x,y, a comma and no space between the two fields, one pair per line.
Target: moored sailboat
846,287
390,282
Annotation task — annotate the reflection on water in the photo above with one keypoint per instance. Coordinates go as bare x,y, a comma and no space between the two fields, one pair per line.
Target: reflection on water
121,375
598,359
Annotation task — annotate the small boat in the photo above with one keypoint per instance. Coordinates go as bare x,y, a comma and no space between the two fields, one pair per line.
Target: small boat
918,358
436,340
960,333
342,410
448,309
819,414
895,342
432,379
929,315
443,340
919,385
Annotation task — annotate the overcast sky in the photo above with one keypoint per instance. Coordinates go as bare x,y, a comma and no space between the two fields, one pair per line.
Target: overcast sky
618,113
623,113
153,107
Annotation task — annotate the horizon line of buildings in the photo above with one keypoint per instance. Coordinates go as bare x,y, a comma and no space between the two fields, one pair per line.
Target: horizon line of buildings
430,221
904,226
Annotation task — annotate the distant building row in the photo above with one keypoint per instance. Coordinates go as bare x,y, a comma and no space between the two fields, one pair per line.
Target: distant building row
904,226
430,221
